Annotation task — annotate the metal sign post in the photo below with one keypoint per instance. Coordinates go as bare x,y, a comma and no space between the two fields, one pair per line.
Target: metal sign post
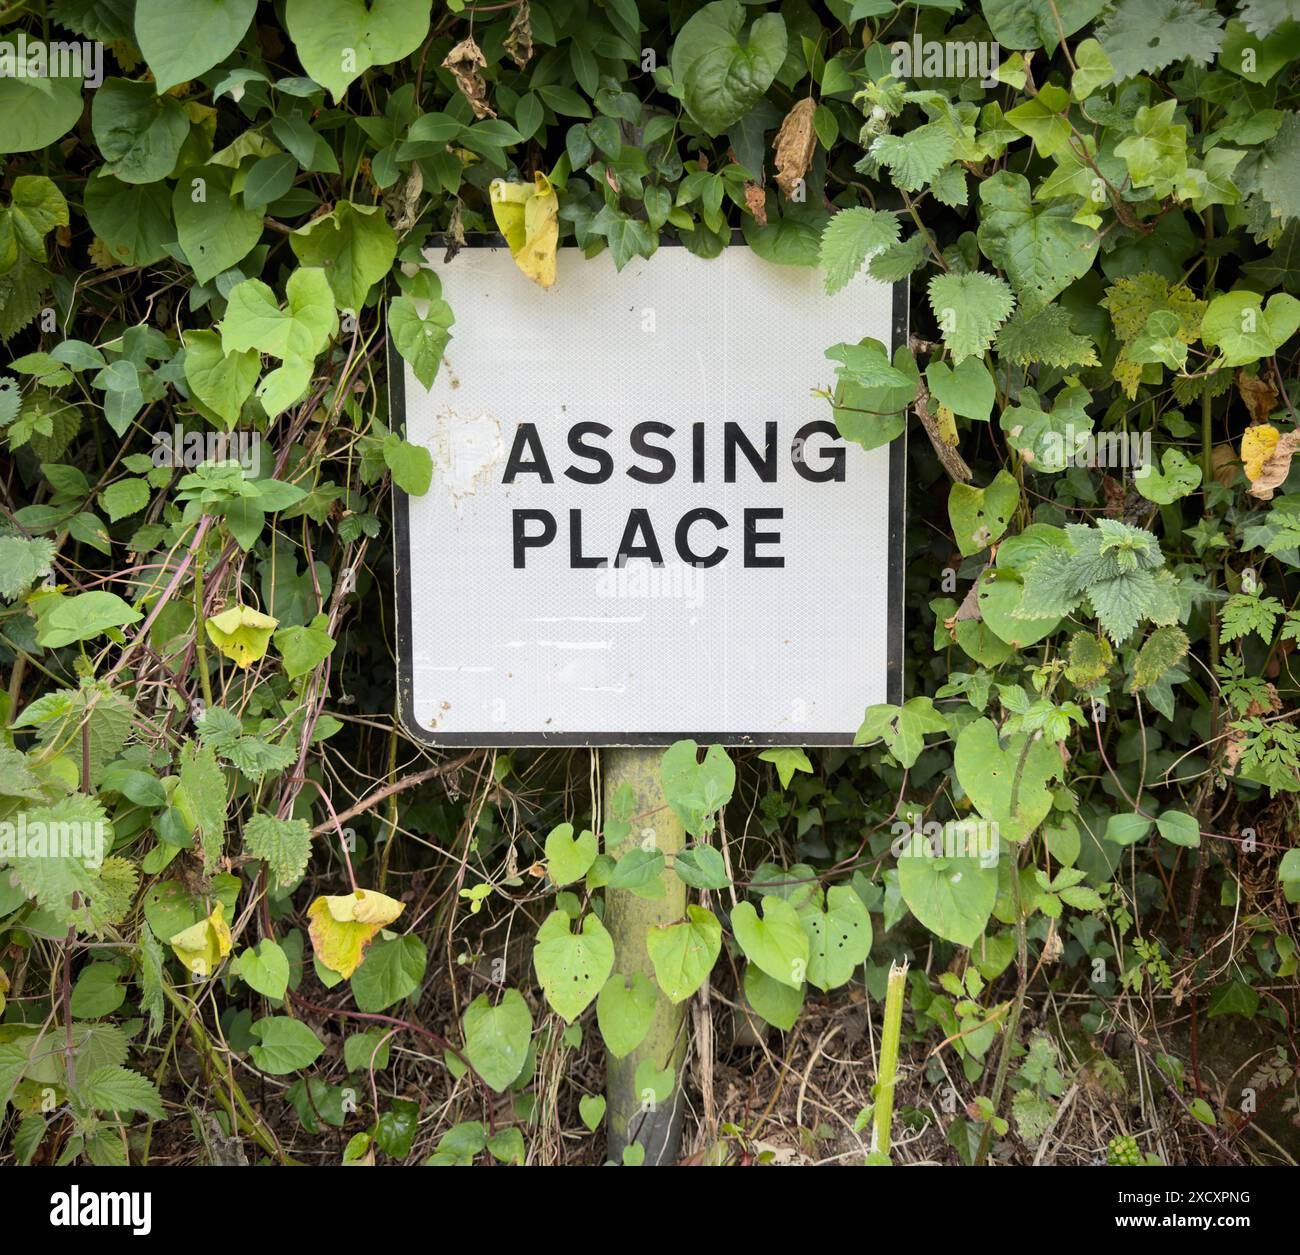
644,526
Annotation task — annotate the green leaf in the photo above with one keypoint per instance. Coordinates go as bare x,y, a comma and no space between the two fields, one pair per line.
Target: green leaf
787,760
625,1010
283,1045
719,75
84,617
979,516
1009,787
968,390
1044,336
118,1089
1176,480
651,1084
353,245
1234,998
915,158
839,937
497,1037
776,942
133,221
697,791
1040,248
568,858
952,897
1245,330
969,308
338,40
284,845
254,319
1141,36
902,728
683,954
572,967
411,464
701,867
591,1108
36,208
1026,24
1128,828
851,238
775,1002
304,648
213,229
34,112
392,970
420,338
139,133
98,991
222,381
1160,652
124,497
1049,440
181,45
265,968
1179,828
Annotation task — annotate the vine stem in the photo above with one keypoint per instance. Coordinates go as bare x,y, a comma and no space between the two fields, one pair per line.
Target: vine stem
200,632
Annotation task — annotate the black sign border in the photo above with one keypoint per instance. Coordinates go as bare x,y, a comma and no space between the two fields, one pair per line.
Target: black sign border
604,740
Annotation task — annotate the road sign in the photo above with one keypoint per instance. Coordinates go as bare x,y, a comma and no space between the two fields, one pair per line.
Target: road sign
643,524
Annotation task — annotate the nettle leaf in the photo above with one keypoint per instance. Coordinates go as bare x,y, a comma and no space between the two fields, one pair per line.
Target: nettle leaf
283,844
1046,337
1039,247
683,954
902,728
625,1009
969,309
181,45
353,245
776,942
851,238
720,76
979,516
497,1037
119,1090
915,158
1141,36
572,967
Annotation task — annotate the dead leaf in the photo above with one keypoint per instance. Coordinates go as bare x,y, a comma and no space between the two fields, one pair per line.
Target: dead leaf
402,200
1225,462
1266,458
1259,395
465,61
528,215
1236,741
453,237
519,38
794,146
756,200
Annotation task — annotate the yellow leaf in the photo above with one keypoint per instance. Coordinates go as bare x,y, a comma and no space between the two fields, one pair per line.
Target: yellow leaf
1256,446
241,633
203,945
529,218
4,989
341,928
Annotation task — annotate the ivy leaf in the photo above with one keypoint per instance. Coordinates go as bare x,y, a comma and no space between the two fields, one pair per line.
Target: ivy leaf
852,237
497,1037
377,32
776,941
787,760
719,75
683,954
1040,248
353,246
1141,36
181,45
969,309
572,967
902,728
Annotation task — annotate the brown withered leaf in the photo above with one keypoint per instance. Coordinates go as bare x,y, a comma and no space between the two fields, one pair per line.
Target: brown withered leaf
794,146
1275,467
402,200
1259,395
1236,741
519,38
465,61
756,200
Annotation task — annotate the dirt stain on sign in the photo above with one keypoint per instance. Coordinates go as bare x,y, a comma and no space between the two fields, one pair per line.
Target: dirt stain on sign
466,448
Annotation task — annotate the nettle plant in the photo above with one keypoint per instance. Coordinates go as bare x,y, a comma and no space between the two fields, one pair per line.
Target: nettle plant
211,217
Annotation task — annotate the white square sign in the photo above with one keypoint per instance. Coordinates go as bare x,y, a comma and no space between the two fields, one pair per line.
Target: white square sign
643,524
